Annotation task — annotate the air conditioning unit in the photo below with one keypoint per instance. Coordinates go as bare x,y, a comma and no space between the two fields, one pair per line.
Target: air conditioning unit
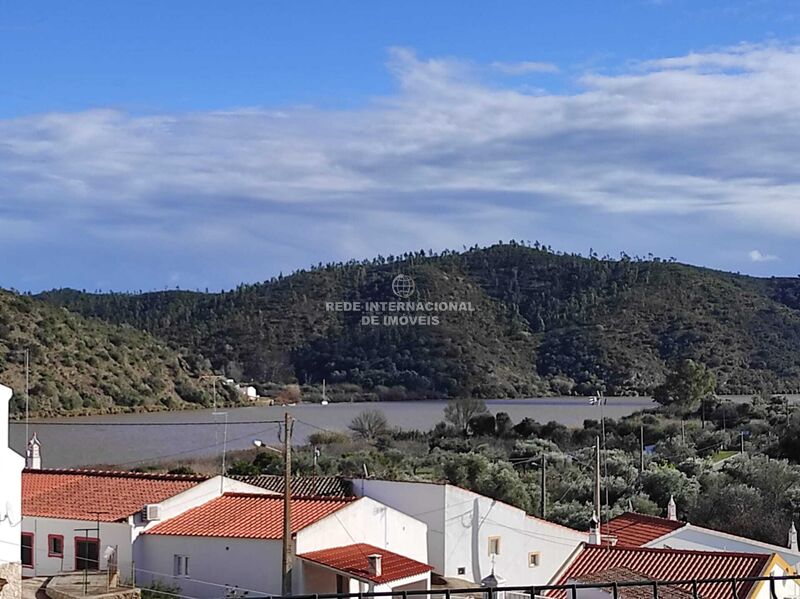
151,512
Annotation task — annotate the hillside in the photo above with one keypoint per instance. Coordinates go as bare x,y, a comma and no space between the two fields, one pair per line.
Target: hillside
543,323
81,365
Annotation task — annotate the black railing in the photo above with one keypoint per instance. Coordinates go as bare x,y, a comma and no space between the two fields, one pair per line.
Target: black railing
688,585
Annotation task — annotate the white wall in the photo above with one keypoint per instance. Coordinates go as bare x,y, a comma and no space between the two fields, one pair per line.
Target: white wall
367,521
423,502
460,523
112,534
690,537
230,564
11,465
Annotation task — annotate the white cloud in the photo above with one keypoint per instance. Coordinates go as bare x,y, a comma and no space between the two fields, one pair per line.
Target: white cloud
757,256
524,68
712,134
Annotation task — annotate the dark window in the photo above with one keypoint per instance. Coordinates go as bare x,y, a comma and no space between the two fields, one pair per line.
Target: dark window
27,549
87,554
55,546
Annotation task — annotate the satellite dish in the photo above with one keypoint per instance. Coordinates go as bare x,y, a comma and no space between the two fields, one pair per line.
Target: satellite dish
12,514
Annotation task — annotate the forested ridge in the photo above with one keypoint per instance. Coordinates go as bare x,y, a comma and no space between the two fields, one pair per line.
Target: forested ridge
543,323
79,365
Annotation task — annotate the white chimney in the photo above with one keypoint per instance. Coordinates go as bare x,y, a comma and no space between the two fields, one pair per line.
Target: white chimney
672,509
33,454
375,564
594,531
793,537
5,397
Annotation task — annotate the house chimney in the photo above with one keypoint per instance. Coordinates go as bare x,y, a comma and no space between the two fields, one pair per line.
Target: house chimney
793,537
672,509
33,454
375,564
630,506
5,397
594,531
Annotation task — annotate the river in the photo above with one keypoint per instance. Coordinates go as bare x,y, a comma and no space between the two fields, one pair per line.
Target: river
131,439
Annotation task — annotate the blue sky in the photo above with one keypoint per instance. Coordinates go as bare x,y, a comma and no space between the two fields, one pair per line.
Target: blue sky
146,145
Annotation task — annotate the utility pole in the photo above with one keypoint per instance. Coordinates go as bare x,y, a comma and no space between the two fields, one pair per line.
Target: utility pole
287,506
641,448
27,392
597,505
741,434
544,486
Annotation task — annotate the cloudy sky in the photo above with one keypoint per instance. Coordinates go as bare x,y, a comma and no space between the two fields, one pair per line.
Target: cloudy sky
160,144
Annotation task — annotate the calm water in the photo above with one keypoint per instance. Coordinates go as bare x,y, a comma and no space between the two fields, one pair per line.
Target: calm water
105,442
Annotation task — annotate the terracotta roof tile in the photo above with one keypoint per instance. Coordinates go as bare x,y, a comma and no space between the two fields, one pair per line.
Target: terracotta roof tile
636,530
81,494
248,516
308,486
670,564
636,592
352,560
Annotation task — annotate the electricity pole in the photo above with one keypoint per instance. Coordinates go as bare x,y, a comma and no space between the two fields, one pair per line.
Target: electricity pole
641,448
544,486
287,506
597,505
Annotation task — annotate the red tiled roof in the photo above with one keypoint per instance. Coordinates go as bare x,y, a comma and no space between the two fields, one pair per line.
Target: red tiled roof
352,560
670,564
81,494
248,516
636,530
634,592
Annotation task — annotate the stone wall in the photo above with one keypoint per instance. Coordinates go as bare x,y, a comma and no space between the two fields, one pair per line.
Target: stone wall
13,575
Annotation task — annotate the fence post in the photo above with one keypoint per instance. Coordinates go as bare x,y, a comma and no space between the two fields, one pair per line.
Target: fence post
533,592
614,590
574,590
733,589
694,589
655,589
772,592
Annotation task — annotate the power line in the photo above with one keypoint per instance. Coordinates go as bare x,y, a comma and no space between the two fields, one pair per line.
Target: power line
98,424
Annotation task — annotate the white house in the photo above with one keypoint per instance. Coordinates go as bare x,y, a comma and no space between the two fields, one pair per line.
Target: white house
470,536
80,519
640,530
598,564
233,545
11,465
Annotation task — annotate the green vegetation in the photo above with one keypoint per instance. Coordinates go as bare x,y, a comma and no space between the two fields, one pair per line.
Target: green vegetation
755,494
544,323
81,365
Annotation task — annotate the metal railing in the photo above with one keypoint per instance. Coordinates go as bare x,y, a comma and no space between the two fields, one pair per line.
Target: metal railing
689,586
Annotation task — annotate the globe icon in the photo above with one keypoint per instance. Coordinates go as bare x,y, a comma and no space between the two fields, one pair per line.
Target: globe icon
403,286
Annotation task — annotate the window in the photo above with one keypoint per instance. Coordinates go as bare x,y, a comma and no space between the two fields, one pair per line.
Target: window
533,559
494,545
87,553
462,571
27,550
180,565
55,546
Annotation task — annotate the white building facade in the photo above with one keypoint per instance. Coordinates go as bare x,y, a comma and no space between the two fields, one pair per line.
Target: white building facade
204,565
63,544
470,535
11,465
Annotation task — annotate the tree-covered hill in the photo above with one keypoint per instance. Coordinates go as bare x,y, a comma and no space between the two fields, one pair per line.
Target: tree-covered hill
80,365
542,323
